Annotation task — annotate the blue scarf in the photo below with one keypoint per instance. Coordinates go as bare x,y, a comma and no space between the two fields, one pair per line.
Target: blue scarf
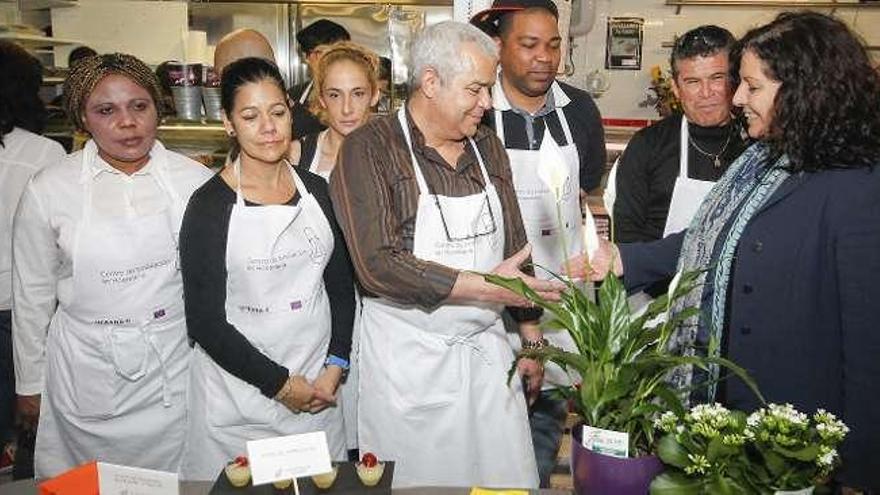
710,243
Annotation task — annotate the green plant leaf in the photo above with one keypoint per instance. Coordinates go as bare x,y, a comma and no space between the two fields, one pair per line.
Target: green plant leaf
676,483
671,452
721,485
806,454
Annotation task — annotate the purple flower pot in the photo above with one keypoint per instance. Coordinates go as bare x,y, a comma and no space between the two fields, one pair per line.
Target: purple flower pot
598,474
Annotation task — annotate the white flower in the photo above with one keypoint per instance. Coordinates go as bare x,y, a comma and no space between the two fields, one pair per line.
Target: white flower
827,457
672,287
553,171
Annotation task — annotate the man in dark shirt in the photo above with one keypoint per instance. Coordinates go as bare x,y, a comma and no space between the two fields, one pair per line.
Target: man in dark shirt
534,114
313,40
426,200
658,191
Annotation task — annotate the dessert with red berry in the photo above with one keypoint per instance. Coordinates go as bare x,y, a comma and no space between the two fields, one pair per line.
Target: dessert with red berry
238,472
370,470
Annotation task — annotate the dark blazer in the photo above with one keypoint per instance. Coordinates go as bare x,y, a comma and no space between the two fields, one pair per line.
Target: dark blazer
804,304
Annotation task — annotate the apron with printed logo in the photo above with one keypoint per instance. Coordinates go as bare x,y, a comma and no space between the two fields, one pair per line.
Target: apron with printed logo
275,297
117,354
434,395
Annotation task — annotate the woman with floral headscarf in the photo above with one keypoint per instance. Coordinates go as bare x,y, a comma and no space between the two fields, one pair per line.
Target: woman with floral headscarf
98,322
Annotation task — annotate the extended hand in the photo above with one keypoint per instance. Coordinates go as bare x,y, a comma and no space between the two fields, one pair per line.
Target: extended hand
510,268
582,268
325,388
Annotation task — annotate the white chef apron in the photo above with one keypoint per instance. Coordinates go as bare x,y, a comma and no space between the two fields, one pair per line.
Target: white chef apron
117,355
275,297
347,395
688,194
544,230
434,395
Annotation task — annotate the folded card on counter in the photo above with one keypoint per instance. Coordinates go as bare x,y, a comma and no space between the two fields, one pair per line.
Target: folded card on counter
288,457
101,478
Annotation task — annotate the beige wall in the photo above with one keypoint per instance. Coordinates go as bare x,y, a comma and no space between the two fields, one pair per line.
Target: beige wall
662,24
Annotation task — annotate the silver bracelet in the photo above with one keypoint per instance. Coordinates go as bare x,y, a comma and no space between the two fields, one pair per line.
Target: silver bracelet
534,345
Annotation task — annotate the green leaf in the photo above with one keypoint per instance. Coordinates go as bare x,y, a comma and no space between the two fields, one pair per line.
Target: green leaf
721,485
676,483
671,452
806,454
717,449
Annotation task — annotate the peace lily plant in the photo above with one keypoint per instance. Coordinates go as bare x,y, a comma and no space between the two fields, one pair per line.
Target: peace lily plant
622,359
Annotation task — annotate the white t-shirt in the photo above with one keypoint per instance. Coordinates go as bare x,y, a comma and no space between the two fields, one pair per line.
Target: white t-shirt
22,154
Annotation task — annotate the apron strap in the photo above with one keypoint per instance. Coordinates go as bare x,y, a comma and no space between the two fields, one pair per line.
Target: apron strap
420,178
499,126
239,197
316,158
305,94
683,149
563,121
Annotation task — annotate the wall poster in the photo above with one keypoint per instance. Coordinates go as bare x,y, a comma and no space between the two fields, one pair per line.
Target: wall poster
623,43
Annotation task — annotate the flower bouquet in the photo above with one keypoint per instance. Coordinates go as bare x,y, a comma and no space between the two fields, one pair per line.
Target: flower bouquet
774,450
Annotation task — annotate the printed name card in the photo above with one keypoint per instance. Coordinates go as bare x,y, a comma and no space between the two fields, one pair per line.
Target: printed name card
289,457
607,442
124,480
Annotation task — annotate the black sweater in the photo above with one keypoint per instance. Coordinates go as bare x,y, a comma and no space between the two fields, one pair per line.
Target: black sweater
203,238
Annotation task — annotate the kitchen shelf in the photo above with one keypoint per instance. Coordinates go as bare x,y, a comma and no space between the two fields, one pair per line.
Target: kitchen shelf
32,41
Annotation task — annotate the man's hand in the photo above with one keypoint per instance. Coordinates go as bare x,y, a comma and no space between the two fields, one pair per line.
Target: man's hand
581,267
325,388
28,411
533,376
510,268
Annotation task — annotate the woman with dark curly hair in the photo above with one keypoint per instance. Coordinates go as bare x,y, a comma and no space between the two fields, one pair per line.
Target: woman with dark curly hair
789,238
22,154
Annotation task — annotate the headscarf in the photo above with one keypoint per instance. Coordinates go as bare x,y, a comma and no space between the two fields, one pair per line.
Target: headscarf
710,244
88,72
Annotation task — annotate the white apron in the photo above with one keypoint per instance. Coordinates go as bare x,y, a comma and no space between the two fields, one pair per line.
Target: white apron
688,193
117,355
346,398
537,204
275,297
434,395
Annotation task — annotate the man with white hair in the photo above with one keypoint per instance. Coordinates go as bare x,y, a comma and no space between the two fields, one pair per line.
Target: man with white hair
426,202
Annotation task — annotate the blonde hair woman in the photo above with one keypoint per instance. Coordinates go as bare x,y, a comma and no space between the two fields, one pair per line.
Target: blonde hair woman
347,86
